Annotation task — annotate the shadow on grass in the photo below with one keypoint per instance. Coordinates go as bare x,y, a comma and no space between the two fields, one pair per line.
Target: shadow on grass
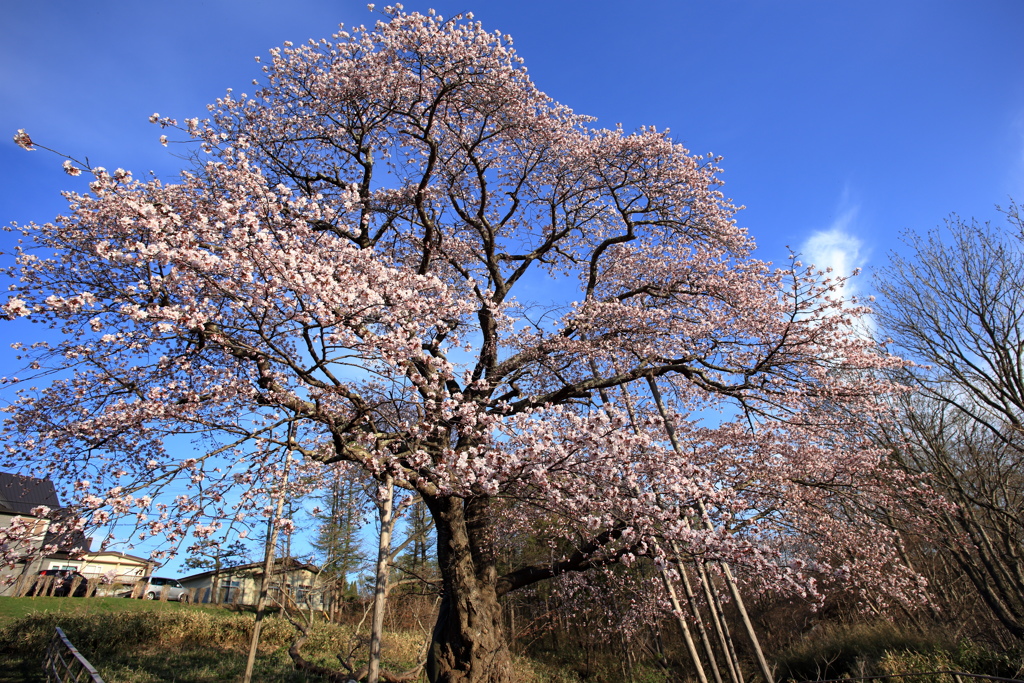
20,669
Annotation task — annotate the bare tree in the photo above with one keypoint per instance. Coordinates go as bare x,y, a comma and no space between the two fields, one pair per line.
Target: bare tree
956,307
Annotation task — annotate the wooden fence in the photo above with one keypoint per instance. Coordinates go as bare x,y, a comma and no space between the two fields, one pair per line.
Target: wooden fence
47,585
64,664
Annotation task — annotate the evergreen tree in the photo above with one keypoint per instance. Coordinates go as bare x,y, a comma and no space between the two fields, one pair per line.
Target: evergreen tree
337,542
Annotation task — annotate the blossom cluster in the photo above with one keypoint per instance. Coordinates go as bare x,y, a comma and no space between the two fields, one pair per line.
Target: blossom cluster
340,282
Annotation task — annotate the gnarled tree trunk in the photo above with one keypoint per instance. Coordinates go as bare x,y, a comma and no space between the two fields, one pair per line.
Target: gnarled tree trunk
468,643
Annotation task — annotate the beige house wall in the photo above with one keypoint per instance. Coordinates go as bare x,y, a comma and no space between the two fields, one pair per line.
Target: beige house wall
241,586
120,567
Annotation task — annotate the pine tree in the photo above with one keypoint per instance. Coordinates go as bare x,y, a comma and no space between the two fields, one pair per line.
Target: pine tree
337,542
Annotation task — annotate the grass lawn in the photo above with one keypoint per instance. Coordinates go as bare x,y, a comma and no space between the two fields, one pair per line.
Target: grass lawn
143,641
16,608
23,664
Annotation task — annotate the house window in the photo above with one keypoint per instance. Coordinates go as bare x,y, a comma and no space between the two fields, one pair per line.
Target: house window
232,590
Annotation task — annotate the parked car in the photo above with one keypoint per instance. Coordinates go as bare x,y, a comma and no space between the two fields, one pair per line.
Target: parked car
154,589
63,579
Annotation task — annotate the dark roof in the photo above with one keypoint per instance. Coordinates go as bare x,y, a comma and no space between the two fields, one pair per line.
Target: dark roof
19,494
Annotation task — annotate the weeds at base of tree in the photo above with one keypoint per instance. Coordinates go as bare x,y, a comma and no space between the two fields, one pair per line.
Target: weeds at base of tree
878,648
570,666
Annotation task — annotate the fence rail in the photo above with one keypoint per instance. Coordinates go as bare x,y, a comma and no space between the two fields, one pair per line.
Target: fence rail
65,664
958,676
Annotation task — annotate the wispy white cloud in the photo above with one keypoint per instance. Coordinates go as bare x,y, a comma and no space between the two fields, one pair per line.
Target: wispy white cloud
838,247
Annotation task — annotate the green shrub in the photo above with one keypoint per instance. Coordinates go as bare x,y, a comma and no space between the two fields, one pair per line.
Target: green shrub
976,658
919,662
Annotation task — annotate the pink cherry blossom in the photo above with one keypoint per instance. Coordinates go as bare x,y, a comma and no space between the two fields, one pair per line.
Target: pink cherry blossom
405,256
21,139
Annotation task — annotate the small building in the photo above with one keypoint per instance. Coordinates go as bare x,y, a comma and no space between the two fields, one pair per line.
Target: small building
292,580
109,566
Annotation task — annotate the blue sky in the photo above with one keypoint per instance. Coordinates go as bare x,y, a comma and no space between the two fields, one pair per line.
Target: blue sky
841,122
870,116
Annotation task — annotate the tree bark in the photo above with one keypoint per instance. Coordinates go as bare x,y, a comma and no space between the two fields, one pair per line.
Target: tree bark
268,572
468,642
385,506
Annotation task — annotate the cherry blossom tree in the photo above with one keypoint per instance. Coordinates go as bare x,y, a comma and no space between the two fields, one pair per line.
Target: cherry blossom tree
399,253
